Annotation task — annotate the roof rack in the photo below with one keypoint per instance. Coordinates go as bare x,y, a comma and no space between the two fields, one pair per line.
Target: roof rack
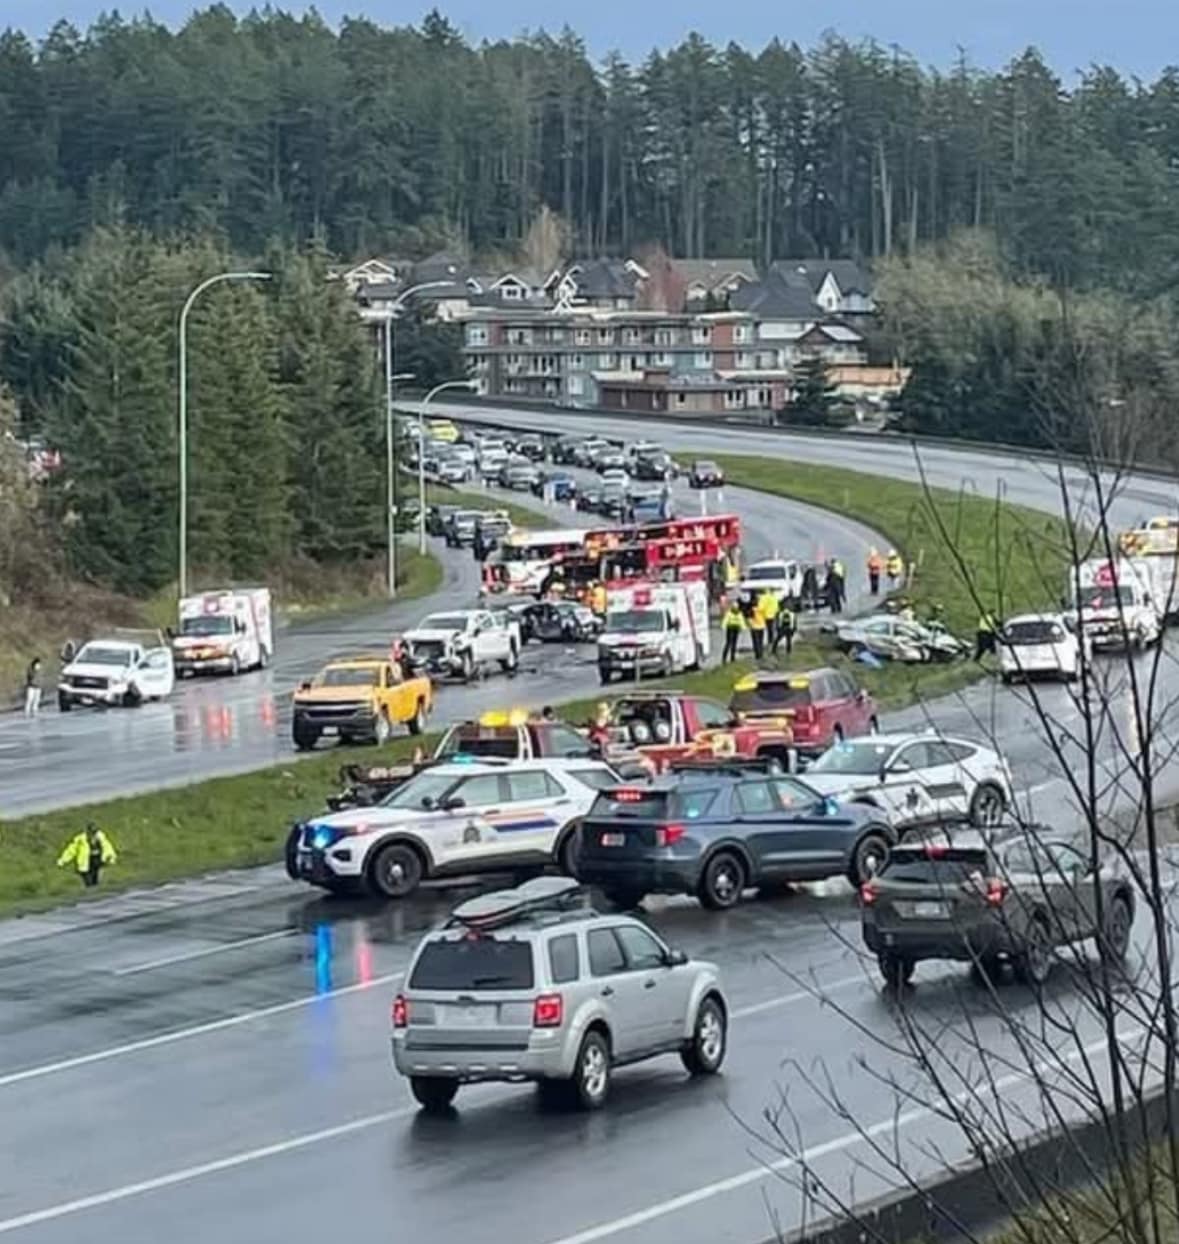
503,907
732,764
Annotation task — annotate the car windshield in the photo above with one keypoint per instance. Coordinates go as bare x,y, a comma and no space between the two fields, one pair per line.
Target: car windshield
853,758
758,573
445,622
473,963
631,621
1033,632
96,654
208,624
776,696
420,791
1105,597
349,676
705,465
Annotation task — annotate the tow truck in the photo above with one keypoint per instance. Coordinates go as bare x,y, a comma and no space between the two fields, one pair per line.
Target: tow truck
673,726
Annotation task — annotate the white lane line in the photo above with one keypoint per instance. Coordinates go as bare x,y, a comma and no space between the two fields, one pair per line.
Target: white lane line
168,960
181,1034
189,1173
848,1140
788,999
291,1144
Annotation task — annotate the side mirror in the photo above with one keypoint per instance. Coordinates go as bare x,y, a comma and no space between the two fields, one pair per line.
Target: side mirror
675,959
454,802
305,686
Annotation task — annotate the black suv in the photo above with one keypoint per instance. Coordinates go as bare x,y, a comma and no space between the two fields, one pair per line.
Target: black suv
715,830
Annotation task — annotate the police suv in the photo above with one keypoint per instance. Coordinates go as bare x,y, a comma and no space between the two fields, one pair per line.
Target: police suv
453,819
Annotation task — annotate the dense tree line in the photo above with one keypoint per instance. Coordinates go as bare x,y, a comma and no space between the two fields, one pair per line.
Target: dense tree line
285,416
379,139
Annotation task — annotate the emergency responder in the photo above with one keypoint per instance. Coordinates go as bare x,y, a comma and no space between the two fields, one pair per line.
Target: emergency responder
985,638
598,599
89,852
769,608
733,623
875,566
785,631
894,567
834,588
599,729
732,571
810,588
756,622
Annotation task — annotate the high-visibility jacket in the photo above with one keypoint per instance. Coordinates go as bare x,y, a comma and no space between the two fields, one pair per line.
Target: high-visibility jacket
768,606
894,566
757,619
732,574
786,619
598,599
78,850
987,624
837,568
734,619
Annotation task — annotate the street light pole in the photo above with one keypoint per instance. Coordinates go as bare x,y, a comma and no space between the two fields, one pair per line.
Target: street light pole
438,388
182,431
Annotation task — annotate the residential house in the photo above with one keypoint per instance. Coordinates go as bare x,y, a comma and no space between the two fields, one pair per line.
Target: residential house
603,284
839,286
711,282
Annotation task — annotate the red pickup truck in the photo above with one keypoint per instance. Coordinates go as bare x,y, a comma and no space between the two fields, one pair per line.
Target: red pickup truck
668,726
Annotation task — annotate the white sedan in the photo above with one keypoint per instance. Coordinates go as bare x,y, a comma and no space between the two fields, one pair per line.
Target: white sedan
1039,643
917,780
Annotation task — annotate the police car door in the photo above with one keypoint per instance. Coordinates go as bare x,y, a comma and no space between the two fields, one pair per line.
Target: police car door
912,788
468,828
536,810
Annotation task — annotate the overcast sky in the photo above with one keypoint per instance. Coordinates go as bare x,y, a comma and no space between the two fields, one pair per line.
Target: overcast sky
1136,36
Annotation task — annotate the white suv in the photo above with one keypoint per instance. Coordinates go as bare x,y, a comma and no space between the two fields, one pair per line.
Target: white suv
453,819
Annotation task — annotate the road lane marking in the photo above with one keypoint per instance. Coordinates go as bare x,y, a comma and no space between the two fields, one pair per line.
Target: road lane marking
788,999
168,960
807,1157
181,1034
189,1173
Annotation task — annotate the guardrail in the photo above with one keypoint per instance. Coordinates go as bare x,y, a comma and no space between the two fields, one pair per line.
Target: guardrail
713,423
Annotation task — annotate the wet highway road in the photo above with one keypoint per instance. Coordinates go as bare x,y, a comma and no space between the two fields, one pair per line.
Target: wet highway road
222,1071
217,726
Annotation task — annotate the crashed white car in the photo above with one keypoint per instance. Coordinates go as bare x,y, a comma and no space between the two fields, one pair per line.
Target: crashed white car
917,780
893,638
462,642
108,672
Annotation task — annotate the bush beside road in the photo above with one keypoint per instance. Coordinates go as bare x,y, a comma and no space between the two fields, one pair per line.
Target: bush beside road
242,821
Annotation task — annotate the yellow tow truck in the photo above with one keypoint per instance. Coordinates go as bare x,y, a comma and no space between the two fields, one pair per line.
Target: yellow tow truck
359,699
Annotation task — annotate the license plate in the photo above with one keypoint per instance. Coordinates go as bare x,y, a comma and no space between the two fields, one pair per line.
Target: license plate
469,1016
613,840
331,730
930,910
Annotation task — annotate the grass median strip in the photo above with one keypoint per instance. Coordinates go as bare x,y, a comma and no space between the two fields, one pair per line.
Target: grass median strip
1015,556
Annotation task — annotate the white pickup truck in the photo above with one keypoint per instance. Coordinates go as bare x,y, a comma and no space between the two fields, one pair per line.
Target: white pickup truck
461,643
123,672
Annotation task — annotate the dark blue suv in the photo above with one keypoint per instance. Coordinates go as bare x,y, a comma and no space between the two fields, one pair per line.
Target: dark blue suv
718,831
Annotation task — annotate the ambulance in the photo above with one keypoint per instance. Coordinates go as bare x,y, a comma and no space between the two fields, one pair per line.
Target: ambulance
654,629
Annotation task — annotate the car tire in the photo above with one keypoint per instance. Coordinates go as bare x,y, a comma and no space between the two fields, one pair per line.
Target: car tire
568,851
1033,963
263,657
434,1093
703,1055
604,675
304,739
381,729
417,723
896,969
589,1086
64,703
291,852
1114,941
395,871
987,805
872,846
722,881
512,662
697,658
624,900
235,666
986,971
132,697
666,666
468,667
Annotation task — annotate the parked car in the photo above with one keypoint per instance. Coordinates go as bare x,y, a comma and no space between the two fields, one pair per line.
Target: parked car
1012,900
893,638
824,706
1041,645
717,832
558,622
917,780
531,984
117,671
706,474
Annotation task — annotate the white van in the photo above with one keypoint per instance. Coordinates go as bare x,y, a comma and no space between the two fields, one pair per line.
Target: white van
654,629
1118,601
224,632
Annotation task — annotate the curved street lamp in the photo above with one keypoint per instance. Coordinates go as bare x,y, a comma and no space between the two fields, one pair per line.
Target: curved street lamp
183,411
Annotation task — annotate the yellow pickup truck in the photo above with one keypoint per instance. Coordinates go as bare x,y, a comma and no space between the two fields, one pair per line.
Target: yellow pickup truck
359,699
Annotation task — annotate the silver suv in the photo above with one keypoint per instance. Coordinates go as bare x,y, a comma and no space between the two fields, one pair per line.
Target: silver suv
533,984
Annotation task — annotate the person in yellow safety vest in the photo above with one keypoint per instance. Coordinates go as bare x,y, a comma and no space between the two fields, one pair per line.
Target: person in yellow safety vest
784,629
894,567
732,572
875,566
733,623
986,637
598,599
757,630
89,852
768,607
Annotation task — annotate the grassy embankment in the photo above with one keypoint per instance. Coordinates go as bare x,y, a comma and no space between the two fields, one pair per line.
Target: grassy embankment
1017,556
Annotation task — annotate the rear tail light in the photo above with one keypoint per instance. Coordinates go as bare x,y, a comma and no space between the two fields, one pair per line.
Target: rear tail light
805,715
869,892
935,850
400,1012
548,1011
669,835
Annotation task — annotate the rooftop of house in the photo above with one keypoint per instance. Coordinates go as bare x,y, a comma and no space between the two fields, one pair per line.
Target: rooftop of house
780,295
849,275
713,273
